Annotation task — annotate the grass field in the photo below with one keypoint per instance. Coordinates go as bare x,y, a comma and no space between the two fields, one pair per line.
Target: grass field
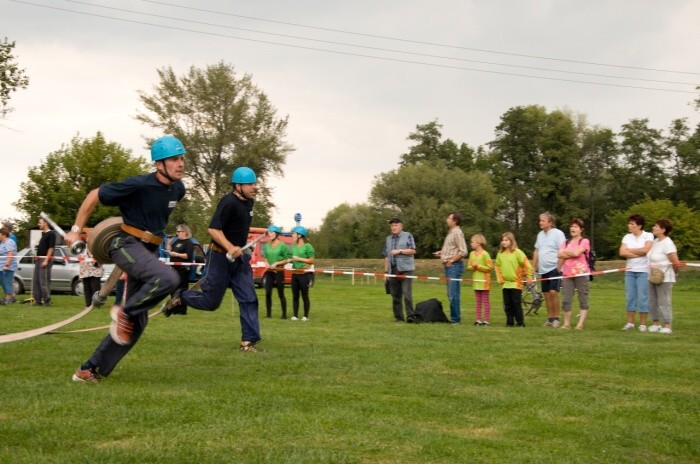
352,386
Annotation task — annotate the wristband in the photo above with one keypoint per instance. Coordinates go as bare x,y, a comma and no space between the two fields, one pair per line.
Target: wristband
77,229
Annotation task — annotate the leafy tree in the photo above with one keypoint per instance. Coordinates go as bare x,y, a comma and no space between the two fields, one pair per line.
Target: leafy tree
59,185
12,77
639,171
351,231
224,121
424,194
686,224
684,167
430,148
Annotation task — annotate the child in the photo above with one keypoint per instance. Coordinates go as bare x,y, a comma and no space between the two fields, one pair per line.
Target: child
481,265
512,266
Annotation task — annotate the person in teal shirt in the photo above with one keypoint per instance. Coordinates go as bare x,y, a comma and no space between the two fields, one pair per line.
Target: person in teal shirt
276,253
303,266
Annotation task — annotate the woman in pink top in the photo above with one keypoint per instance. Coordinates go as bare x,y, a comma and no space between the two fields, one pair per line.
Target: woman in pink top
572,264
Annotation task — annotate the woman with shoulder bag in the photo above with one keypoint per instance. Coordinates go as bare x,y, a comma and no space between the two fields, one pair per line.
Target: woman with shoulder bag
663,256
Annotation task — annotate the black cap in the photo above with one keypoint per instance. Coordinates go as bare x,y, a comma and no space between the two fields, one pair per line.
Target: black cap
395,220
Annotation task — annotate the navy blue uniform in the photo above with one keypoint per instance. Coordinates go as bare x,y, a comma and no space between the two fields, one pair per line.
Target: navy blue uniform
233,217
145,203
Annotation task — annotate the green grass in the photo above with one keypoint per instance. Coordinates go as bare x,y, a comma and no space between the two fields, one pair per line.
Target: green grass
352,386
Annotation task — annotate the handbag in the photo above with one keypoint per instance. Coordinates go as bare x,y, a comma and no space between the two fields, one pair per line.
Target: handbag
656,276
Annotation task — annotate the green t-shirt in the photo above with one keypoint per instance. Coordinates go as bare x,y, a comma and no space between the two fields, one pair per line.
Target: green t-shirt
304,251
278,253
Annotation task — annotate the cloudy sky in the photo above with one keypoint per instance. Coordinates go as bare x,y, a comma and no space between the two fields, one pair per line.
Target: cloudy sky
354,77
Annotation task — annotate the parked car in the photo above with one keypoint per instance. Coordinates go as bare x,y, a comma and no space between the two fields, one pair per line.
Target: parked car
64,273
257,262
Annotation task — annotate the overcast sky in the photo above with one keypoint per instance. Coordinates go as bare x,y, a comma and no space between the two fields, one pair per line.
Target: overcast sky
350,109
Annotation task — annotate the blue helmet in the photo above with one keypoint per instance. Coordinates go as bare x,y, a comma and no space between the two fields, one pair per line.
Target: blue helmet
301,231
275,229
243,175
166,147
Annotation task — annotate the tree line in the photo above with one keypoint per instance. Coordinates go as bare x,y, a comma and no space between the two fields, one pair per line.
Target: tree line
539,160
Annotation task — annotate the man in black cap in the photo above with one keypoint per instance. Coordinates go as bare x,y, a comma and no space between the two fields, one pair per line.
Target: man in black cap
398,252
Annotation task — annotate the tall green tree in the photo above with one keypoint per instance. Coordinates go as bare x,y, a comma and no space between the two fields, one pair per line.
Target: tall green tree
429,147
684,162
60,183
639,171
12,77
224,121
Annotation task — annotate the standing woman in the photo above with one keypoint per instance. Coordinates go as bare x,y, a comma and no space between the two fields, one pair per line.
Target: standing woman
8,253
303,266
635,246
573,256
275,253
90,273
664,256
182,251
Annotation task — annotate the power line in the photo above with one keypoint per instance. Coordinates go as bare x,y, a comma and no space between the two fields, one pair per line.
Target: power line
426,55
397,39
396,60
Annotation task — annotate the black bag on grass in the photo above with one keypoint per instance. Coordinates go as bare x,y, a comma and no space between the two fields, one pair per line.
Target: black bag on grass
430,311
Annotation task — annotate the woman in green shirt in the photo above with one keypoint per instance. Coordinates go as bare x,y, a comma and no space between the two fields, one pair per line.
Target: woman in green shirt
276,253
303,270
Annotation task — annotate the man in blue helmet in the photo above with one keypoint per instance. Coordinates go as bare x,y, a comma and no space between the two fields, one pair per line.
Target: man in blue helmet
227,265
145,202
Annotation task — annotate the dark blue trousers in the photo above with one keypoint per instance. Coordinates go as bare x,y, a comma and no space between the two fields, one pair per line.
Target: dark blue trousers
238,276
150,280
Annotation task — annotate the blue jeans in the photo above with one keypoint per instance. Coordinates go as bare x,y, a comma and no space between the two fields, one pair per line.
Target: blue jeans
637,291
454,288
7,279
221,275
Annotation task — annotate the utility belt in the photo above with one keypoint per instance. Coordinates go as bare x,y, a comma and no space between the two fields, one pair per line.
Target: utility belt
143,235
213,246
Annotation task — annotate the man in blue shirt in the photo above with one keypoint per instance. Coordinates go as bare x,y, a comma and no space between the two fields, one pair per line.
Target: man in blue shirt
544,260
398,252
145,203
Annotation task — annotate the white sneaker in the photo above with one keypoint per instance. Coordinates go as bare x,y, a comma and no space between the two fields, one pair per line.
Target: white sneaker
294,318
628,326
555,324
654,328
304,319
665,330
642,328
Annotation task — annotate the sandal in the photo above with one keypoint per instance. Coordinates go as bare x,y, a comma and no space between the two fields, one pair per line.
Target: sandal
247,346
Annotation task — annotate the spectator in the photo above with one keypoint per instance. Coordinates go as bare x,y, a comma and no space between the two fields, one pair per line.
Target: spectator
480,264
90,273
275,253
663,255
573,256
544,260
8,258
43,262
181,250
454,250
512,267
635,246
399,248
10,228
